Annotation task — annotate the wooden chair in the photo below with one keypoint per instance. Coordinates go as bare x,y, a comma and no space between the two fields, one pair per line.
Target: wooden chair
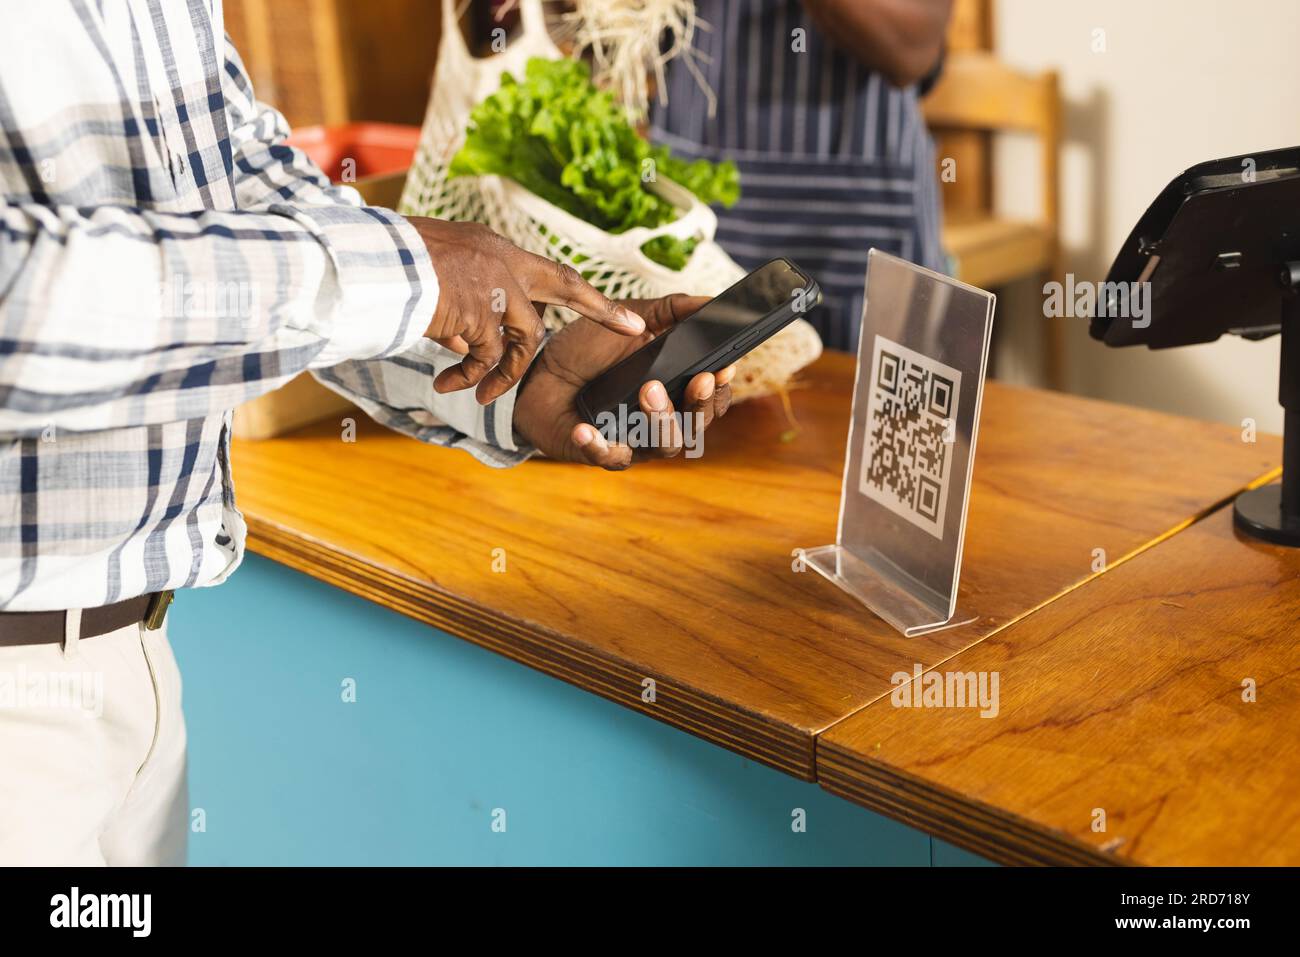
979,93
976,97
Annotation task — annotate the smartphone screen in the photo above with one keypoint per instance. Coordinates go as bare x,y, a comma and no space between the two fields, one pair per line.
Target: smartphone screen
767,290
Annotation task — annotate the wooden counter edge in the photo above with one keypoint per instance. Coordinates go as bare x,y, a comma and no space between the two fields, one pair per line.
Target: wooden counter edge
955,818
973,825
750,734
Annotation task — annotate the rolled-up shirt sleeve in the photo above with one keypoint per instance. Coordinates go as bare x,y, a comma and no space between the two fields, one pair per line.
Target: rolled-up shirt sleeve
398,392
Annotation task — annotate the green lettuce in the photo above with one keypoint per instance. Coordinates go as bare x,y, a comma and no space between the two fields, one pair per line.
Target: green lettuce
559,137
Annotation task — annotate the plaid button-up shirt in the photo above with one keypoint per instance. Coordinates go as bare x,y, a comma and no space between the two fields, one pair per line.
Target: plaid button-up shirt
163,258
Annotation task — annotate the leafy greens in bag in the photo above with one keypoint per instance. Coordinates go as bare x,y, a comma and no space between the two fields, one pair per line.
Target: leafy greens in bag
558,136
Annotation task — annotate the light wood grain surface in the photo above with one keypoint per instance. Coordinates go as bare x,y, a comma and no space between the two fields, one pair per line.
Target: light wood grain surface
680,571
1126,696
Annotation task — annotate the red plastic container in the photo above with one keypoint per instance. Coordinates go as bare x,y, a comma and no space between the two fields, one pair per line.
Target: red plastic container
379,149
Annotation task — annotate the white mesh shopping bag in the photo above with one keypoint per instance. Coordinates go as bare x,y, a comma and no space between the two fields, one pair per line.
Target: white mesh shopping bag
612,262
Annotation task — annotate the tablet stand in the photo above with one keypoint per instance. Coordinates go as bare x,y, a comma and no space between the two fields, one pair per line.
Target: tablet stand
922,355
1209,250
1272,512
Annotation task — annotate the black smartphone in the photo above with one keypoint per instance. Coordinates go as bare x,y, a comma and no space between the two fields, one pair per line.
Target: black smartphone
723,330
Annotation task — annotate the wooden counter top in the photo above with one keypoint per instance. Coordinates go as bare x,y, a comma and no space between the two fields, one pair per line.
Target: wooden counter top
681,571
1125,695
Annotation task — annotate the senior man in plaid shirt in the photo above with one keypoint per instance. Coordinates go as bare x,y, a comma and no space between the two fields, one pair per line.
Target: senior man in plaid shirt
164,257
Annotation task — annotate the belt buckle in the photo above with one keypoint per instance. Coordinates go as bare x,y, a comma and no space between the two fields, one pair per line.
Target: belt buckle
157,610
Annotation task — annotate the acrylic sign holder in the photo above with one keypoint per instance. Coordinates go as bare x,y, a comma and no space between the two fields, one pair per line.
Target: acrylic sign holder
922,356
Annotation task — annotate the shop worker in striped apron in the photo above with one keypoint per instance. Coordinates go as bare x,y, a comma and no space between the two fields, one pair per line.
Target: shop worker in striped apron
164,256
817,103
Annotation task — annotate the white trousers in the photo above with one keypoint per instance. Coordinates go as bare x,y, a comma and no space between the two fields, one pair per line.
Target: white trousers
92,752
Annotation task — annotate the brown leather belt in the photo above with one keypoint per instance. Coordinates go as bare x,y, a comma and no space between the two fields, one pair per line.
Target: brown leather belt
47,627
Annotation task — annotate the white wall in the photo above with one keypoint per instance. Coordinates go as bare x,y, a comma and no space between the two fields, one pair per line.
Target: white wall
1180,81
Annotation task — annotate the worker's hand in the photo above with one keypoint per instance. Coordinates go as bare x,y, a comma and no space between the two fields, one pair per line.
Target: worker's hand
486,290
546,414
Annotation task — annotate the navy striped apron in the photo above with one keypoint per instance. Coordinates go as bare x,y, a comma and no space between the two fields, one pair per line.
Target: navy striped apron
833,159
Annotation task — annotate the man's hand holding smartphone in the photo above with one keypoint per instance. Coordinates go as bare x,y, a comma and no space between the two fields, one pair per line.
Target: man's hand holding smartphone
546,410
616,356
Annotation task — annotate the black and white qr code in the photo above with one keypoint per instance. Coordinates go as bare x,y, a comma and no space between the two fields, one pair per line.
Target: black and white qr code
908,448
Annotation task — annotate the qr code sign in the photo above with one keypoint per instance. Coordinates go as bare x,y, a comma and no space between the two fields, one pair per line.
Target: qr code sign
907,458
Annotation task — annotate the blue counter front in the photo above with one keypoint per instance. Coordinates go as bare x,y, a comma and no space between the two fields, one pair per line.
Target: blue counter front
326,730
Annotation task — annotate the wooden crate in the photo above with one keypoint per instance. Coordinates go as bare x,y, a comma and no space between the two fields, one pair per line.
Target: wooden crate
338,61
